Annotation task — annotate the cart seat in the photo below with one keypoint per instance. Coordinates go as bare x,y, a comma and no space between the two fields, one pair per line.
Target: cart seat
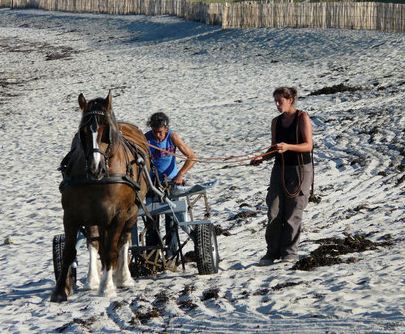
158,208
182,191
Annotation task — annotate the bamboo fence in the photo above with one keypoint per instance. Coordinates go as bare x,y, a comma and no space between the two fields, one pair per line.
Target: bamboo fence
5,3
344,15
210,13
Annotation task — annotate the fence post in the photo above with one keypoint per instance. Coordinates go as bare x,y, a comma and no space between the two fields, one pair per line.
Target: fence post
225,16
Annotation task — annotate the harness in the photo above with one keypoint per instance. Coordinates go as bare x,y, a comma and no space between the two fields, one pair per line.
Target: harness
126,178
130,148
110,179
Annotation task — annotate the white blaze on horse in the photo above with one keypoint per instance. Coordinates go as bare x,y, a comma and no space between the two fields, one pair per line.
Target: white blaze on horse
103,186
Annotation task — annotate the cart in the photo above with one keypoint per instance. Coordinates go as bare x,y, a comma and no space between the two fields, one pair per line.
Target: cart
147,259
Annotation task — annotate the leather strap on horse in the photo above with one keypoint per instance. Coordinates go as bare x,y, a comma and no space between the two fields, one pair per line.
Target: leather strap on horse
136,152
113,178
110,178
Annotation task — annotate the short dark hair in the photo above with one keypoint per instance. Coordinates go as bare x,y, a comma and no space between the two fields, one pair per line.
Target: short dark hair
286,92
158,120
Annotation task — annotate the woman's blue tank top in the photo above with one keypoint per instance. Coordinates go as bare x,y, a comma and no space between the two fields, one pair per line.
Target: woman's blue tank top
164,162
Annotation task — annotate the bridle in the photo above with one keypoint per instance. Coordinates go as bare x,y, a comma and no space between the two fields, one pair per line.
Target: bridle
100,158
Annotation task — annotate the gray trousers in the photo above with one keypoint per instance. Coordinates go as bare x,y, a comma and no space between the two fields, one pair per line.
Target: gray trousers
285,213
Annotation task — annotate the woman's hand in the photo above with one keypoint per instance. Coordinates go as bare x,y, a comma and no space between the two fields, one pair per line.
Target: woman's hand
282,147
179,179
256,161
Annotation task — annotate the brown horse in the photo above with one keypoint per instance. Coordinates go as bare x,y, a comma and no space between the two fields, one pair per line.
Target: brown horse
102,189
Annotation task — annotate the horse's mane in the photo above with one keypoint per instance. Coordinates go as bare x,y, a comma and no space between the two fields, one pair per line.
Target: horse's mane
134,134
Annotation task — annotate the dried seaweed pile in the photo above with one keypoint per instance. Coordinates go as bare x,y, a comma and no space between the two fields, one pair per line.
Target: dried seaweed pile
328,252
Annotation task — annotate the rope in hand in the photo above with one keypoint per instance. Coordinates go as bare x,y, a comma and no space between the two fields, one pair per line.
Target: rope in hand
230,159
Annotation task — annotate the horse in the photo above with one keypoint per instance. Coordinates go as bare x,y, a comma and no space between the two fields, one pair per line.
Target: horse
101,193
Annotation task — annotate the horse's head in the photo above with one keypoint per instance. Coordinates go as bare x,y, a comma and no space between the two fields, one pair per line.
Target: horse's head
97,130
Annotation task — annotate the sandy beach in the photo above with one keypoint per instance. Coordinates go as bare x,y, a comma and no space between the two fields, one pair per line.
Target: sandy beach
216,86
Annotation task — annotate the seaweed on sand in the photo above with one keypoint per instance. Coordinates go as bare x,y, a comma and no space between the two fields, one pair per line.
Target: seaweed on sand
328,252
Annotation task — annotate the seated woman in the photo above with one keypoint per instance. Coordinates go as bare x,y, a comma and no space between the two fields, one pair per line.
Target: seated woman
164,143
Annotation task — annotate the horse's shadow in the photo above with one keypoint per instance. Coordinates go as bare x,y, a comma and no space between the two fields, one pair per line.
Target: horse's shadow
39,289
165,276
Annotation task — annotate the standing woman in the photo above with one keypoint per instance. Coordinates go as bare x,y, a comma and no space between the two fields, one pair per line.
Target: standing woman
291,177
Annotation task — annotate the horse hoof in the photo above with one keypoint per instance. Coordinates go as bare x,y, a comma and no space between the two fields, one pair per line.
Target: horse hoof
58,297
109,293
129,283
93,285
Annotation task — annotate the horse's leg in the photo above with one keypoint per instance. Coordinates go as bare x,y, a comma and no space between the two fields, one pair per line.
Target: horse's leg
107,287
64,285
93,244
109,258
123,278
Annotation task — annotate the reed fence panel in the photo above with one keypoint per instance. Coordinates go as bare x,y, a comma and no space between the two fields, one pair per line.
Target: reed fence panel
345,15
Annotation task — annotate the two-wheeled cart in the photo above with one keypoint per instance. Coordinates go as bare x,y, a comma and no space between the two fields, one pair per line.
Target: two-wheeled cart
190,204
201,231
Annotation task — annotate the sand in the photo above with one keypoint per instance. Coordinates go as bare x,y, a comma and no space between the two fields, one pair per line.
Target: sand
216,86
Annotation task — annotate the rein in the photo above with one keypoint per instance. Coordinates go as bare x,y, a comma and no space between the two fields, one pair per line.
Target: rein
229,159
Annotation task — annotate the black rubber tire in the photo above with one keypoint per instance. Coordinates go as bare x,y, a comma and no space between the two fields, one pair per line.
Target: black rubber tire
58,244
206,249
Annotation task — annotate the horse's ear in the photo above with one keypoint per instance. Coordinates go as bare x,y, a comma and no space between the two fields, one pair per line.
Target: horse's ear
108,101
82,102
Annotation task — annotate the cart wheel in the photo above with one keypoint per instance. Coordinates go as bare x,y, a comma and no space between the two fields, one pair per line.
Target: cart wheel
58,244
206,249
